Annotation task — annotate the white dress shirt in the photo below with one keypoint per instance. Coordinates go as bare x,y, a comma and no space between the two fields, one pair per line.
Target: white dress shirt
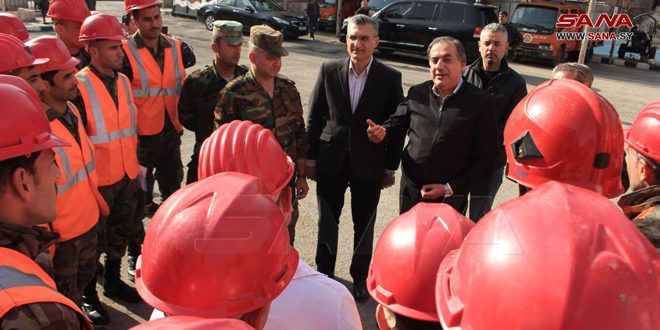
356,83
313,301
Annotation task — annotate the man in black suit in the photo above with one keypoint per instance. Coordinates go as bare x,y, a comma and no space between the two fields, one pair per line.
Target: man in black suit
452,129
346,94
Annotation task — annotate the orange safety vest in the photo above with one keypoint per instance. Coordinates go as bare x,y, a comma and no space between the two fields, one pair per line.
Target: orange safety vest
23,282
78,200
113,131
156,91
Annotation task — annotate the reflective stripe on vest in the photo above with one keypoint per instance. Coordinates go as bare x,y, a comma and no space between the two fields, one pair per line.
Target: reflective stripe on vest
102,135
71,178
144,91
11,277
23,282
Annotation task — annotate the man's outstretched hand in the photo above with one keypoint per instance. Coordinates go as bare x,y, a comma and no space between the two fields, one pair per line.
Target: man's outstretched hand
375,133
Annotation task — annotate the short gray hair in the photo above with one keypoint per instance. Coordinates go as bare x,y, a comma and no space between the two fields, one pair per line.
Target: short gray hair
581,72
495,27
653,164
449,40
361,19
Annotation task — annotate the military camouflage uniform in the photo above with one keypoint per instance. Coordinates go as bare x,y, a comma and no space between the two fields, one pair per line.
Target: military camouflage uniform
199,95
34,243
244,99
643,208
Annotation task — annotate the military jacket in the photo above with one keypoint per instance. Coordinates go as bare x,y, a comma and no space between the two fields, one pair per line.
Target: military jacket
245,99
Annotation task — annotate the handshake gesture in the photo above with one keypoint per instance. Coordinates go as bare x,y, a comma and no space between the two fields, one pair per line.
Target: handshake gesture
375,133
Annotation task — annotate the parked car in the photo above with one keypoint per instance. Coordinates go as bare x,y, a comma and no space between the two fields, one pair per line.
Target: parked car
328,12
410,26
376,5
253,12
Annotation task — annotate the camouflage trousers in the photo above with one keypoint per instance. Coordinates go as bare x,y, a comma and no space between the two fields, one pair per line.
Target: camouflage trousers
162,152
114,229
75,264
295,214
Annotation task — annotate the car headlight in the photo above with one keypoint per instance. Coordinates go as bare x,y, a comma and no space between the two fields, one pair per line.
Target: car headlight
281,21
331,18
545,47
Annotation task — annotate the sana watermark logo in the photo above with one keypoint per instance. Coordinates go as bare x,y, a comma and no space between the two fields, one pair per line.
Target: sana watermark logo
580,21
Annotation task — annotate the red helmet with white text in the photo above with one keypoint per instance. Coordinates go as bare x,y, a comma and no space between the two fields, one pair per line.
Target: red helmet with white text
216,248
559,257
408,254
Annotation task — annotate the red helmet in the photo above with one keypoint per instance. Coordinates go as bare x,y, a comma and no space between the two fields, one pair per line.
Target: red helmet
644,133
15,54
54,49
24,126
179,322
246,147
216,248
101,26
140,4
12,25
70,10
564,131
559,257
408,254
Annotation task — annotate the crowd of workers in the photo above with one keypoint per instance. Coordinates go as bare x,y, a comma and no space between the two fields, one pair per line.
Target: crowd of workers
94,115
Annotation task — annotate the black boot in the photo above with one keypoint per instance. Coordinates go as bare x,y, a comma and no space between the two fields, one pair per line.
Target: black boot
114,287
134,251
92,306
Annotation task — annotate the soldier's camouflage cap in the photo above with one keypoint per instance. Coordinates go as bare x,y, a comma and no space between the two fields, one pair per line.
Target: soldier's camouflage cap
231,31
264,37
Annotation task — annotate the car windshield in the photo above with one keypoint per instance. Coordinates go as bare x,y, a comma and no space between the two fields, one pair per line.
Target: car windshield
266,5
379,4
535,17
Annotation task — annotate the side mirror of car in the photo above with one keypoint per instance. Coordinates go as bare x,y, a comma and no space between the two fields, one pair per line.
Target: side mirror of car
250,9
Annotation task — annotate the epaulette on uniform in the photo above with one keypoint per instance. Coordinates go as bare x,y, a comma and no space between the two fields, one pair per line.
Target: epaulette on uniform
286,79
235,81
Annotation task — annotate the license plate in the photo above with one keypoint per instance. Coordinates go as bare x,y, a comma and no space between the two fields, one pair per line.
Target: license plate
302,28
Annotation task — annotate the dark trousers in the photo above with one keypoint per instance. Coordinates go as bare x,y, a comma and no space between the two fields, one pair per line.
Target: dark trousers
312,23
162,152
482,193
75,264
191,176
294,220
365,195
114,230
136,229
410,194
